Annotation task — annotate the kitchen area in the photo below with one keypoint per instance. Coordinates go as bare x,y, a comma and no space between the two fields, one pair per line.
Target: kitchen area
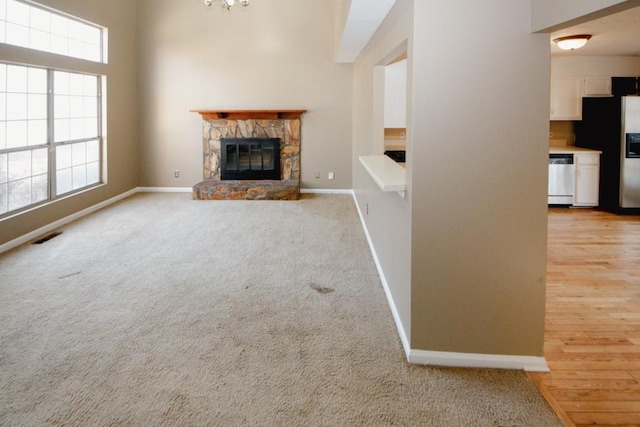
594,133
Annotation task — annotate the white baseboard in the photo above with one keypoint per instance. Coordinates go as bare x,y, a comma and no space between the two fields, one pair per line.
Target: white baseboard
324,191
165,189
59,223
392,305
441,358
473,360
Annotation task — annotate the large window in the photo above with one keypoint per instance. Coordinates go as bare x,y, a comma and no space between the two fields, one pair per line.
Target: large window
34,144
50,120
34,27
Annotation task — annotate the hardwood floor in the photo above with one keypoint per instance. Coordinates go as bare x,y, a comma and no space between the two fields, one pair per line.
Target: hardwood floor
592,336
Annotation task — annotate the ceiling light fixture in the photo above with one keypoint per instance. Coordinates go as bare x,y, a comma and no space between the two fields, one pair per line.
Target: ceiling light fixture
572,42
227,4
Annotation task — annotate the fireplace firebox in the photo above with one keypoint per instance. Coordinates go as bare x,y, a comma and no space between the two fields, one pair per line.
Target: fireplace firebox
250,158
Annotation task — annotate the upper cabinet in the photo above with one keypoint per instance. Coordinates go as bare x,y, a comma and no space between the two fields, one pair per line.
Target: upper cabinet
395,95
566,98
597,86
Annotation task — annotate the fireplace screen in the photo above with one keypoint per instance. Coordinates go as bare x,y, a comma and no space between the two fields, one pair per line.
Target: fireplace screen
250,158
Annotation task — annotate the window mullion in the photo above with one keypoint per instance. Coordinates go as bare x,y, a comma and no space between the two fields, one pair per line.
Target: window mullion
50,135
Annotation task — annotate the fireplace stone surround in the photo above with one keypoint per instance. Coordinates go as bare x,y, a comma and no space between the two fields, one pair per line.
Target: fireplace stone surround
281,124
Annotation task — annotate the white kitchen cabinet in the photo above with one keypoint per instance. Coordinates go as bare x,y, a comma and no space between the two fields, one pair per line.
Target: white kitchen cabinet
395,95
597,86
566,98
587,179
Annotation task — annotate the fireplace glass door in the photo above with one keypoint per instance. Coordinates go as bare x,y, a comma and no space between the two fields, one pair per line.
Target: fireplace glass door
250,158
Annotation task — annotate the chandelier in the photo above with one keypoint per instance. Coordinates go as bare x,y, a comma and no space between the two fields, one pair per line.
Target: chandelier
227,4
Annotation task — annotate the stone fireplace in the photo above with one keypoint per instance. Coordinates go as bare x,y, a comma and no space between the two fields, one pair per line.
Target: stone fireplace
241,137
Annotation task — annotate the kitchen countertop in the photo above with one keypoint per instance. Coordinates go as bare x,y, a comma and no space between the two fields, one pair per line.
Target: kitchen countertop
572,150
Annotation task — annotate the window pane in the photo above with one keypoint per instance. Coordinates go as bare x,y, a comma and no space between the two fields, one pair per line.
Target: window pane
4,175
39,188
19,165
60,45
76,83
3,137
90,107
3,77
17,35
17,78
3,31
17,103
76,129
78,154
63,181
61,106
37,107
61,131
59,25
17,134
4,194
17,12
19,193
93,151
93,173
37,132
40,19
79,176
39,40
61,83
90,85
76,107
39,161
63,157
3,103
90,129
37,80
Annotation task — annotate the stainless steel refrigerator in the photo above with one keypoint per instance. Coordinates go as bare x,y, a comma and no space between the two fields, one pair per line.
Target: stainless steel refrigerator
612,125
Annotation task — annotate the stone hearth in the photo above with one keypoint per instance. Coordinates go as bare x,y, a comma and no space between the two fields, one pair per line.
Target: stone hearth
282,124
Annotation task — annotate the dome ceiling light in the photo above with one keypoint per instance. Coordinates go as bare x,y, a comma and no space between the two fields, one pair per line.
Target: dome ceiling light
572,42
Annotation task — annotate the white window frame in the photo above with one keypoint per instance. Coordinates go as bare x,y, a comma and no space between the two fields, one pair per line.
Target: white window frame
43,61
30,25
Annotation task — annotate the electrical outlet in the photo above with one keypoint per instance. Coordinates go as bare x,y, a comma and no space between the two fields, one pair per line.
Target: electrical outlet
331,175
317,175
176,173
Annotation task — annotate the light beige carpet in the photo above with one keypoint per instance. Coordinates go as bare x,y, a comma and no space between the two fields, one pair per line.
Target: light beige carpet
161,310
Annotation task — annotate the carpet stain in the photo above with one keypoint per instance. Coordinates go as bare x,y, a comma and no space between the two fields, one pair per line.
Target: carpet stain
69,275
320,289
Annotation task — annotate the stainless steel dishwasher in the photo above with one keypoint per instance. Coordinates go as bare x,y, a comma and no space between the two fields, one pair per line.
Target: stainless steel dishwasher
562,177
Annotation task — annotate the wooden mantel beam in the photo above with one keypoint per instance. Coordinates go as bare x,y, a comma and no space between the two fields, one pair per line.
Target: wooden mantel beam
250,114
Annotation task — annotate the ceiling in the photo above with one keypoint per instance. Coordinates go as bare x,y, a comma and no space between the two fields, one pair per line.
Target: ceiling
617,34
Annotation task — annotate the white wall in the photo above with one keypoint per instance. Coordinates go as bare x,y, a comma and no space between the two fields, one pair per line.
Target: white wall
480,148
267,56
388,220
549,15
595,66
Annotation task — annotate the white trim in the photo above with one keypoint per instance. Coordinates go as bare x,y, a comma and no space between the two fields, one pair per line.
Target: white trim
441,358
474,360
325,191
59,223
392,305
165,189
